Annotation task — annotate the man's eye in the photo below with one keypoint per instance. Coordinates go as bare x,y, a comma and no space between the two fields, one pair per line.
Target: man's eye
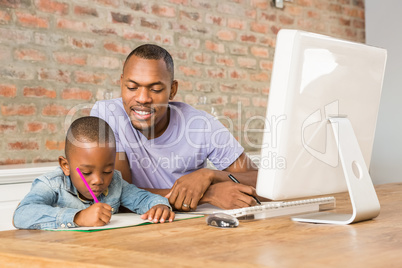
131,88
156,89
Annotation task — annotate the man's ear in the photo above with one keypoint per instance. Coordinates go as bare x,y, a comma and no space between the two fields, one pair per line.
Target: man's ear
173,89
64,165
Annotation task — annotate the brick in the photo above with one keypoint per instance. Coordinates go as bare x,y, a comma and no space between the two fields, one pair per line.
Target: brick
77,26
236,49
90,78
17,73
248,38
189,42
191,99
262,77
205,87
215,47
247,62
70,58
149,23
275,29
294,10
54,75
230,88
359,24
237,24
259,52
34,127
42,160
314,14
138,6
110,3
259,27
30,20
266,65
190,71
216,73
238,74
85,11
8,90
76,94
164,39
117,47
228,9
260,4
164,11
268,17
194,16
202,58
130,34
121,18
18,109
29,54
5,17
226,35
52,7
48,39
224,60
244,101
102,31
214,19
230,113
39,92
185,85
15,36
104,62
179,2
259,102
81,43
54,110
8,127
205,4
23,145
55,145
286,20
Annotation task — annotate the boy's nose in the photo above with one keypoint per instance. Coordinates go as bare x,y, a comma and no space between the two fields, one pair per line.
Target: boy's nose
97,180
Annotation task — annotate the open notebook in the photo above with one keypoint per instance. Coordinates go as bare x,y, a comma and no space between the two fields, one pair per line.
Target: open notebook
122,220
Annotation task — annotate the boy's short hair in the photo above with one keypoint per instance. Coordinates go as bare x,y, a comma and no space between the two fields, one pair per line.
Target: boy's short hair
153,52
89,129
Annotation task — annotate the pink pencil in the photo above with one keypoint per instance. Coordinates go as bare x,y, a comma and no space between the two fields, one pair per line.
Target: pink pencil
86,184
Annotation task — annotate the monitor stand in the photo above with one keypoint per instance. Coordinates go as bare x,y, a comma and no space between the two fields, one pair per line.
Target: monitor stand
361,190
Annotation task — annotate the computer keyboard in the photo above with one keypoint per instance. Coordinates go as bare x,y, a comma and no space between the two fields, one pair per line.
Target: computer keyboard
274,209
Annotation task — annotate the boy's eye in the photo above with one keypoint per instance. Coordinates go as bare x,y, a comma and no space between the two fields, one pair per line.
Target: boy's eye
107,172
86,173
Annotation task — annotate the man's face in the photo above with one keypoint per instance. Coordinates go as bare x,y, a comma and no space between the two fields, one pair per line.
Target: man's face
146,87
95,162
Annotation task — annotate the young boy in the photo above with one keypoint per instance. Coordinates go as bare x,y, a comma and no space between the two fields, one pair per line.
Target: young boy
60,199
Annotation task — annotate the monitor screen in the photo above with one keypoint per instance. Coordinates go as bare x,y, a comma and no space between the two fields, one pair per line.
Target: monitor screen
316,77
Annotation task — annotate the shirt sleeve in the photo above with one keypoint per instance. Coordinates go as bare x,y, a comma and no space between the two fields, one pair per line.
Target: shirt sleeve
224,148
139,200
36,211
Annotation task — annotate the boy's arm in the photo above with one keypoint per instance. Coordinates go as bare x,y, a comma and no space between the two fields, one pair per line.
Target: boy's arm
36,211
140,200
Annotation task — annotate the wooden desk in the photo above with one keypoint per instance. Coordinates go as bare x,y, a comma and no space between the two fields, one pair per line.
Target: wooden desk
275,242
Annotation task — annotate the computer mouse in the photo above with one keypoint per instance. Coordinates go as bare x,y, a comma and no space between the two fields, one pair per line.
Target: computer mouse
222,220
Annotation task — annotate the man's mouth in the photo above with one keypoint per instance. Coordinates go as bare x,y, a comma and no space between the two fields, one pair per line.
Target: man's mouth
142,114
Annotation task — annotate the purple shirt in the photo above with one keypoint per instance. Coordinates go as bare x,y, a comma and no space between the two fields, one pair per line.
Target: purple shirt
192,137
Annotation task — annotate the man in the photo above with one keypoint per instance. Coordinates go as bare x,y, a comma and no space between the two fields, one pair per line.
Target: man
163,146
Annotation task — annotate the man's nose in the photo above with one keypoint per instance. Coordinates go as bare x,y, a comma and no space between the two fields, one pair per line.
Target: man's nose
142,95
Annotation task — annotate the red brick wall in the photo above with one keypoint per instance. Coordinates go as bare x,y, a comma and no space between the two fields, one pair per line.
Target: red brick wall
60,56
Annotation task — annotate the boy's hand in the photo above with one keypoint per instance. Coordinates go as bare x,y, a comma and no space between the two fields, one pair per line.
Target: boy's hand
98,214
159,213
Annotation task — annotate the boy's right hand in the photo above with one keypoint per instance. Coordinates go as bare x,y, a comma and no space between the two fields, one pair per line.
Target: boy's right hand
98,214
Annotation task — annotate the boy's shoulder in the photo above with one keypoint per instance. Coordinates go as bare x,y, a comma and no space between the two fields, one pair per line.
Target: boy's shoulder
54,178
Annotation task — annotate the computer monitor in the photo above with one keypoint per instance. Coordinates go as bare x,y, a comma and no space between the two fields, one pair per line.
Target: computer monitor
322,88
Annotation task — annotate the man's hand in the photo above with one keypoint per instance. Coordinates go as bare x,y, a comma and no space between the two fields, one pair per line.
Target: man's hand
230,195
159,213
189,189
98,214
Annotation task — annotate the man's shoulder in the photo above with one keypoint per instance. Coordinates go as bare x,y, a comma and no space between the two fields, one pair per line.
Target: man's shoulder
186,110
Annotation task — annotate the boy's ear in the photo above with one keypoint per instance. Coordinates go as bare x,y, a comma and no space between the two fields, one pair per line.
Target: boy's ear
64,165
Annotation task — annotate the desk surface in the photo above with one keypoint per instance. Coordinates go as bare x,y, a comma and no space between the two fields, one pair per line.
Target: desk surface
277,242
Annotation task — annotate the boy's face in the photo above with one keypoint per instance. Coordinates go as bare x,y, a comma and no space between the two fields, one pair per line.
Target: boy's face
96,164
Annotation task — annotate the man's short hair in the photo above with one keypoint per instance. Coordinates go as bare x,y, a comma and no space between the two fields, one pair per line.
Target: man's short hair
89,129
153,52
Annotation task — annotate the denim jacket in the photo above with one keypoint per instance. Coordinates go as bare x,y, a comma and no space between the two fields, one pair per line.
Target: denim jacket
53,201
